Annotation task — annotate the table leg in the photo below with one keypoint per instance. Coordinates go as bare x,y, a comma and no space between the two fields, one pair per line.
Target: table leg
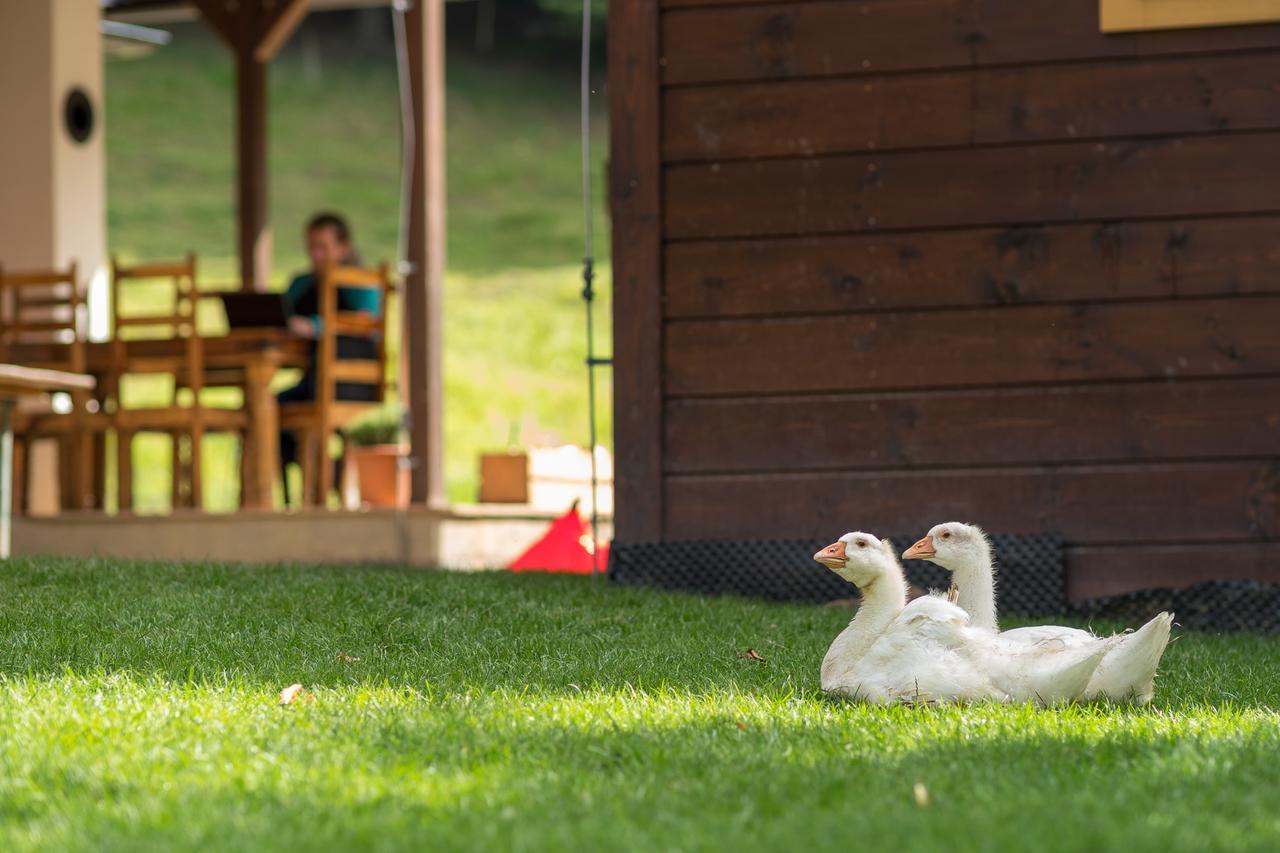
264,434
100,470
6,475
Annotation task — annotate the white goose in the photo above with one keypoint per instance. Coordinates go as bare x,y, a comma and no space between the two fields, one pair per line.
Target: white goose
1126,673
927,651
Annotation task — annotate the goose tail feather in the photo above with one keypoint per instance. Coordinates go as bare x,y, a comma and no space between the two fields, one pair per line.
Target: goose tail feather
1128,673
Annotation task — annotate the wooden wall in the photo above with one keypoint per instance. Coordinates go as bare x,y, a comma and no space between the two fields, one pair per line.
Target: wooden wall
885,263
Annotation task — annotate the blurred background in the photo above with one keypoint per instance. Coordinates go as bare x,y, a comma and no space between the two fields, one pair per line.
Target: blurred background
514,333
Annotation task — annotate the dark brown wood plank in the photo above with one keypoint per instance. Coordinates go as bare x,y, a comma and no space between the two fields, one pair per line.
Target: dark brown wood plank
1097,571
813,117
251,153
1086,505
998,266
967,187
1024,426
817,39
635,186
979,347
811,39
1196,94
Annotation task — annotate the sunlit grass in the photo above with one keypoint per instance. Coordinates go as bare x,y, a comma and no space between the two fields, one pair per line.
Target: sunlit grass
139,710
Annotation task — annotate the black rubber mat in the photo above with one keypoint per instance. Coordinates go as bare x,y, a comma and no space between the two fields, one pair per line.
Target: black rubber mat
1234,605
1030,568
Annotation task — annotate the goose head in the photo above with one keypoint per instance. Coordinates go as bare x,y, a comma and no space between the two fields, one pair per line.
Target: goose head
951,545
860,558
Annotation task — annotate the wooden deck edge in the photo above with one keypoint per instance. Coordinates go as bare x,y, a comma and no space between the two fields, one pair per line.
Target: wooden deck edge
418,537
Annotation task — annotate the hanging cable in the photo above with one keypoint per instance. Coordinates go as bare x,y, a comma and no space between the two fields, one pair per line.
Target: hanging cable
588,279
408,130
409,141
587,231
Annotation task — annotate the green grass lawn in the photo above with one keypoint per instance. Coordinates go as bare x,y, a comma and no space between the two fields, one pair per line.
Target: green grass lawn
139,710
514,337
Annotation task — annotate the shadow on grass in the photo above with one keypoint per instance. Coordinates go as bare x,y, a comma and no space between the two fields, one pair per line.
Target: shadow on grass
425,774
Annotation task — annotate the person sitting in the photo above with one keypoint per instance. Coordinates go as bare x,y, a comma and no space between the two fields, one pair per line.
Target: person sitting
329,244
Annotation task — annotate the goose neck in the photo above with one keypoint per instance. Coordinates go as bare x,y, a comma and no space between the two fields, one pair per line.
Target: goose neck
882,601
974,577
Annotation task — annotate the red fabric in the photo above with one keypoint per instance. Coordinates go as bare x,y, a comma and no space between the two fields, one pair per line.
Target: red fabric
561,548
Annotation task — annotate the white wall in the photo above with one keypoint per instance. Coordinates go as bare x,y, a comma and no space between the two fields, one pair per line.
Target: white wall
52,189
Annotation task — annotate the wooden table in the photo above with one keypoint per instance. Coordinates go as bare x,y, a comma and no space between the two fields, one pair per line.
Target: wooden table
247,358
15,383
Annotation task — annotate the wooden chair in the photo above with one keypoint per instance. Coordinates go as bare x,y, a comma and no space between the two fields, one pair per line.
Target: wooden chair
48,307
317,421
190,420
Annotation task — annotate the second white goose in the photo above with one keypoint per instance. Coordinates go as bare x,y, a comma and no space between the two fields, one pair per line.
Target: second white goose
1127,672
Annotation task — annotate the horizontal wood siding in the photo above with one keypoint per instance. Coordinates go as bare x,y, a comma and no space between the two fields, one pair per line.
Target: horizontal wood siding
932,259
1062,182
823,39
1177,96
1087,505
975,347
973,267
1097,571
1023,426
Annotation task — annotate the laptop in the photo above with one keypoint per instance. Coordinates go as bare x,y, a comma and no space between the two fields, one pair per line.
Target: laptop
255,310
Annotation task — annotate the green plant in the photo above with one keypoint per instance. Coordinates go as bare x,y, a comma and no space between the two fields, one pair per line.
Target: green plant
381,426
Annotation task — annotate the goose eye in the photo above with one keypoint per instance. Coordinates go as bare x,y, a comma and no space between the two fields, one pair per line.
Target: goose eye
862,543
946,534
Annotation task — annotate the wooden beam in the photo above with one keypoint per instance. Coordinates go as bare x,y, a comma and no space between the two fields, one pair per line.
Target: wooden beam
635,189
219,19
423,289
278,26
253,35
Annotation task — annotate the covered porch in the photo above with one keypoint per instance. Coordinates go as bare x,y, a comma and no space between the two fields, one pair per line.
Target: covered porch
428,531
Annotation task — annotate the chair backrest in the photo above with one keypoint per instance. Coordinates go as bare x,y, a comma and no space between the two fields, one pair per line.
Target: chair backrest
45,309
336,323
157,300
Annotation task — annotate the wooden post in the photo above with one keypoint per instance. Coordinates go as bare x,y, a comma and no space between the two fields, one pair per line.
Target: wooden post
251,151
255,34
635,191
423,386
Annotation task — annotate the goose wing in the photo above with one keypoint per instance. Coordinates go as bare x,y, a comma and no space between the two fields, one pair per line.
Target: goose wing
926,655
1038,634
1049,671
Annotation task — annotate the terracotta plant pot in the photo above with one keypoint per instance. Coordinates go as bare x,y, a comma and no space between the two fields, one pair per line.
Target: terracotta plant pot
383,481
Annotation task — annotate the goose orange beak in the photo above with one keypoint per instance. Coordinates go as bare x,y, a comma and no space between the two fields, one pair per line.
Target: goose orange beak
833,556
922,550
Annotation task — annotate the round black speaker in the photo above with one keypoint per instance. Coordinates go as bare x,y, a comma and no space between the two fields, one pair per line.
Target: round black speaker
77,115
